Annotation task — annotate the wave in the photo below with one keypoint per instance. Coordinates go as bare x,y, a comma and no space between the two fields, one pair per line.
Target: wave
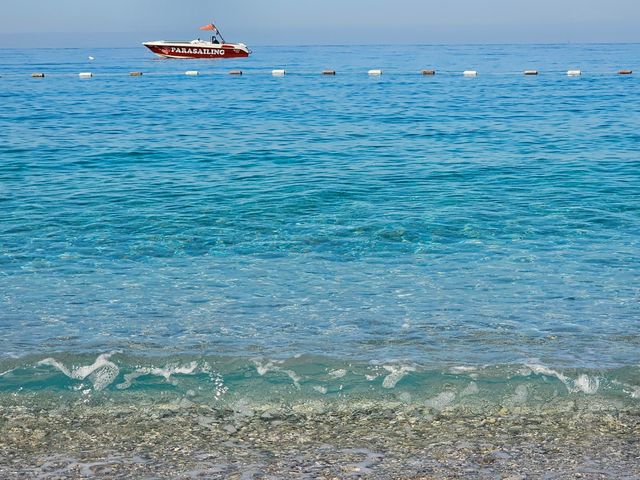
583,383
274,366
165,372
101,373
395,375
227,379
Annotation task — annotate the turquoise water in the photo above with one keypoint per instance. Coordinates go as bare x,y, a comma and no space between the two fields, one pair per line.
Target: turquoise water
321,236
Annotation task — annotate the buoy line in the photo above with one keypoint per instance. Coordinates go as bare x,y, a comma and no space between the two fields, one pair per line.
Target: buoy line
377,72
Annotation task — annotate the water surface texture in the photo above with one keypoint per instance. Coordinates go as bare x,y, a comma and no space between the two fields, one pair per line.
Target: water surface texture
322,235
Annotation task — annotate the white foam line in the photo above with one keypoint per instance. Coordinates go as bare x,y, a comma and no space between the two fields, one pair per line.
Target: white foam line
102,372
463,369
263,369
167,372
548,372
396,374
5,373
271,366
583,383
337,374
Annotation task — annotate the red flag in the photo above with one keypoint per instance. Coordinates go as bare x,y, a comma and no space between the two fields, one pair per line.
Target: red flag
211,26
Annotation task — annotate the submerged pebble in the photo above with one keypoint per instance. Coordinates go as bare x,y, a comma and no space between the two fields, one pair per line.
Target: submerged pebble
373,439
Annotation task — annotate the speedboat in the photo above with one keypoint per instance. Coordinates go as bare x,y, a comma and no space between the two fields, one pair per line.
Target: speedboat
214,48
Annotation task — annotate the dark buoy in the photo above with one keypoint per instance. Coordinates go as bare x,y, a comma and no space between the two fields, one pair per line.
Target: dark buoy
37,75
136,74
428,72
531,72
625,72
235,72
328,72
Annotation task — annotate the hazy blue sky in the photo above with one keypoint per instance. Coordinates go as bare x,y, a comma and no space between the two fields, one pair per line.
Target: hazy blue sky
128,22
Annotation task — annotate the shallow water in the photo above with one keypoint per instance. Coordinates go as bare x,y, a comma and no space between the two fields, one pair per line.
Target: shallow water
442,242
377,440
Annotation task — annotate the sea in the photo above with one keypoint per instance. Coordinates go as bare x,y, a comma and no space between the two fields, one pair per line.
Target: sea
327,246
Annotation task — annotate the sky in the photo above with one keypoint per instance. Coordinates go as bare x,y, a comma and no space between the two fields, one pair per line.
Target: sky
122,23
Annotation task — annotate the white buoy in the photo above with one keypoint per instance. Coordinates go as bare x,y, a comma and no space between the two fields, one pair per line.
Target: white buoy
470,73
278,73
531,72
574,73
85,75
375,73
191,73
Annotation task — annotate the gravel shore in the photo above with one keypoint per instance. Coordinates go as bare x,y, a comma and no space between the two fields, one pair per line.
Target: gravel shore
186,440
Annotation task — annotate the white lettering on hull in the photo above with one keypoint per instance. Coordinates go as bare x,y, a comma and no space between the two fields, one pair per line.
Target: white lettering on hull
198,51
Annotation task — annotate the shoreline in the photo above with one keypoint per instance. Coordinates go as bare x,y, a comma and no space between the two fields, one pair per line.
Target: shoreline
182,439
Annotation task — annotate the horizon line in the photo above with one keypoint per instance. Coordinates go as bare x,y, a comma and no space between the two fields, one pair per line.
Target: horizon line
412,44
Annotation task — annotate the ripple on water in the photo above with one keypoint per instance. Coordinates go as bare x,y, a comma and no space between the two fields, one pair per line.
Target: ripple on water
433,221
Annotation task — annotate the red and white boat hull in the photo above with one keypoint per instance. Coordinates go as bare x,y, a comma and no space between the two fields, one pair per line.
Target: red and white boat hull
198,49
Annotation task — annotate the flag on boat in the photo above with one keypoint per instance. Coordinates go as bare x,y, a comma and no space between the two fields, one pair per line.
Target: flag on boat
211,26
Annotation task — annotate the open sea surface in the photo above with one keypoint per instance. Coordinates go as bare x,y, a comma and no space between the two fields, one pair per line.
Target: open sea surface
436,241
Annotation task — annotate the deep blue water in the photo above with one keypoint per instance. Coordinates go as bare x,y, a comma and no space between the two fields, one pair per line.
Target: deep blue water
336,222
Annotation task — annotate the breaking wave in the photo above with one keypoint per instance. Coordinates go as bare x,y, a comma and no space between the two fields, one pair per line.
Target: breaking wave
583,383
101,373
225,379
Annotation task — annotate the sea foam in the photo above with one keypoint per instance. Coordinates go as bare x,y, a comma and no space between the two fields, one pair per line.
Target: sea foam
166,372
274,366
101,373
584,383
395,375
